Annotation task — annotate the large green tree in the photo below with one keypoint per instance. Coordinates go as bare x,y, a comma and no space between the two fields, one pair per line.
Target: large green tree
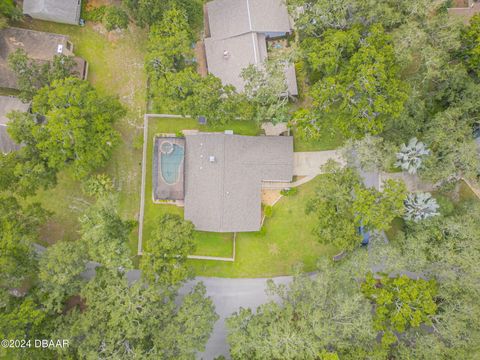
315,318
471,44
446,249
165,254
267,90
400,302
169,44
105,234
360,90
19,229
73,125
320,15
125,321
342,203
150,12
32,75
60,267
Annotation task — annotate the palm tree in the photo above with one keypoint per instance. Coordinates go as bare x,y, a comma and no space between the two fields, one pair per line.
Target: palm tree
420,206
410,156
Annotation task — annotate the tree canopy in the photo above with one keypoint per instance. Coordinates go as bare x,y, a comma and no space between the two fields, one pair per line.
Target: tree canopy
105,234
315,319
32,75
400,303
342,204
165,254
125,321
73,125
18,231
359,85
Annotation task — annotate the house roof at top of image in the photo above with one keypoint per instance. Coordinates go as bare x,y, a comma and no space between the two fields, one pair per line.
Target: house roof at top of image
228,57
224,174
62,11
228,18
8,104
39,46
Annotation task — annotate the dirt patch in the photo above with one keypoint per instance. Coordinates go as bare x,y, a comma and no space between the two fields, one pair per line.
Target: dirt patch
460,3
270,197
201,58
51,232
97,3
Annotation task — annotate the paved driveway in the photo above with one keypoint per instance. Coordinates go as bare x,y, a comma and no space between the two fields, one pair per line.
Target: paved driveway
309,163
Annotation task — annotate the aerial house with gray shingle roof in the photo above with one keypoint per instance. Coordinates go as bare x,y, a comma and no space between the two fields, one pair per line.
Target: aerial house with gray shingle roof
236,36
61,11
222,177
39,46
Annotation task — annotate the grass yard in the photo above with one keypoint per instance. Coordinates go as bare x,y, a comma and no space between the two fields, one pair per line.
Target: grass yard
115,68
214,244
286,240
328,141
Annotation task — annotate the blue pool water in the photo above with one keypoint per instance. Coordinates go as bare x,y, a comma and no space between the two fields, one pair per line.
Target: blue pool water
170,164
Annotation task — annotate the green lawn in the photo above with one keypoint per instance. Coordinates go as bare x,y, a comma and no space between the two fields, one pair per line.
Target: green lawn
115,68
214,244
286,240
328,141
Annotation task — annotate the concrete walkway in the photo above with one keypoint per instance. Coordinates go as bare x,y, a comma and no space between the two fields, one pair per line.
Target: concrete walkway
306,165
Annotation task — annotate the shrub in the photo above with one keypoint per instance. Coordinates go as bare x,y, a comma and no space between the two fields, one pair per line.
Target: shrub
115,18
289,191
268,211
98,185
94,13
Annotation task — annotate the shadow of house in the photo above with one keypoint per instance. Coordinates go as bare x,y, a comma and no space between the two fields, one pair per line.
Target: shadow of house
39,46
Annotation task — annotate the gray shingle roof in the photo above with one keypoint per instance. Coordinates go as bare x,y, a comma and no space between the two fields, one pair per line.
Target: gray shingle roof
39,46
8,104
225,195
62,11
238,31
241,51
228,18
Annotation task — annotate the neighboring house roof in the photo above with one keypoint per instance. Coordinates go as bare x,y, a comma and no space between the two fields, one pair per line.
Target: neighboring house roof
8,104
226,58
39,46
228,18
223,193
61,11
238,32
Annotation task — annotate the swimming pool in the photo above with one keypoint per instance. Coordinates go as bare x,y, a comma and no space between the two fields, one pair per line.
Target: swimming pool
171,158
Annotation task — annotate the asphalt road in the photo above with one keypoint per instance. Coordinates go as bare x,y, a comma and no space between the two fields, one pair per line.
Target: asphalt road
228,296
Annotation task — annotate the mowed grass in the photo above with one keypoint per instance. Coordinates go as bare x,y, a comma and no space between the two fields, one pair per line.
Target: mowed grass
327,141
287,240
208,244
116,69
